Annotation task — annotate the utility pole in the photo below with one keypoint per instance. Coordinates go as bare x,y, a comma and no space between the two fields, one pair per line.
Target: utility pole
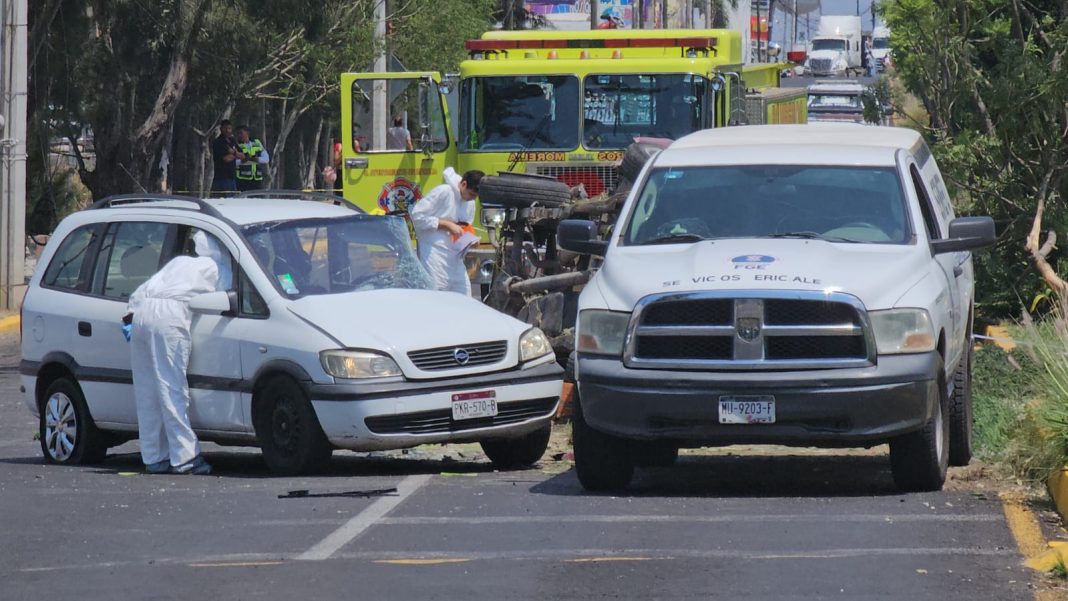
708,14
873,15
380,91
13,87
595,11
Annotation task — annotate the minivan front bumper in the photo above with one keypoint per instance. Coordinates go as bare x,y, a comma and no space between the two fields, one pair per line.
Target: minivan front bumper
393,415
829,407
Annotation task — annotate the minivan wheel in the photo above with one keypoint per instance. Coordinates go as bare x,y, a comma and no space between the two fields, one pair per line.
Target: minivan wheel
602,461
291,439
919,460
960,411
68,434
511,453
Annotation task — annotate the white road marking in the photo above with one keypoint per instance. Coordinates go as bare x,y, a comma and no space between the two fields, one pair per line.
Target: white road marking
364,520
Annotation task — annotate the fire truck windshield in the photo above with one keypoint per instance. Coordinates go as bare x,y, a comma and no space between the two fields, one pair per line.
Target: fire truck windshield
525,112
620,107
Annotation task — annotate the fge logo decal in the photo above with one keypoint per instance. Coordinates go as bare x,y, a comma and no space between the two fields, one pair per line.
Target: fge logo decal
752,261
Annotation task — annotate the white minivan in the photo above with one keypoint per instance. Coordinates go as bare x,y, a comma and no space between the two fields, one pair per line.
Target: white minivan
328,336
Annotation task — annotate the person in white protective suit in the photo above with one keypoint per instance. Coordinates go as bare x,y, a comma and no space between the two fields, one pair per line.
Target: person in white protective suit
160,355
438,217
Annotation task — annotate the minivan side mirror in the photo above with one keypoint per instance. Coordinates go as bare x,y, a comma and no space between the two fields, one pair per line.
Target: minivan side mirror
967,233
221,303
580,236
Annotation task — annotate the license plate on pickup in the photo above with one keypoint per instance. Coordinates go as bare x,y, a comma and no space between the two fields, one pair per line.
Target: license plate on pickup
752,409
469,405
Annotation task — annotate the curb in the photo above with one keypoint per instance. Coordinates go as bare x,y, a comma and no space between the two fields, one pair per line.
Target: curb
10,323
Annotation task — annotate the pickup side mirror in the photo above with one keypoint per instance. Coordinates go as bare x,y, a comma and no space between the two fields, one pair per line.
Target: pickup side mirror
580,236
967,233
220,303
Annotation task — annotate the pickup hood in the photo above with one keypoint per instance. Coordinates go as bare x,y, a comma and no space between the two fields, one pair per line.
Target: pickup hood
398,321
877,274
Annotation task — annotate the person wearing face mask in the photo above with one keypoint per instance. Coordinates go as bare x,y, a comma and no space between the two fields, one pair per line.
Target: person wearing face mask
159,357
439,218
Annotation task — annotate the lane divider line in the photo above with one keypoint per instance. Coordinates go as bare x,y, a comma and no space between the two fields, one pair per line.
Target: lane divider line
363,520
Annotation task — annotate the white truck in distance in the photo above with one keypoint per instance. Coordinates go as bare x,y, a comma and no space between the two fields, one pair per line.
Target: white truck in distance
779,284
835,50
880,47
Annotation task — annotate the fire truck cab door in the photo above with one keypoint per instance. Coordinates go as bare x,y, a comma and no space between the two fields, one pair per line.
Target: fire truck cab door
395,138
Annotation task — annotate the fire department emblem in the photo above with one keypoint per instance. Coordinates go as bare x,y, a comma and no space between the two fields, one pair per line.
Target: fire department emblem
398,195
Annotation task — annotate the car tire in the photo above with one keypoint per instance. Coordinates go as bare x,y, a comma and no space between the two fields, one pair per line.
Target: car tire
512,453
523,190
634,158
960,411
290,437
602,461
67,431
654,453
919,460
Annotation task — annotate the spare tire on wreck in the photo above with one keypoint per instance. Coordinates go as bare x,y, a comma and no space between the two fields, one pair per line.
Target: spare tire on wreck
522,190
634,158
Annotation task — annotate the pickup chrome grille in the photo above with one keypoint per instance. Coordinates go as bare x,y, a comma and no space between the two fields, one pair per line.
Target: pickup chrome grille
736,331
456,357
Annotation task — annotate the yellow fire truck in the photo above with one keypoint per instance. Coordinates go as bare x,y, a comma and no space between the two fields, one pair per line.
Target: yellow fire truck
564,104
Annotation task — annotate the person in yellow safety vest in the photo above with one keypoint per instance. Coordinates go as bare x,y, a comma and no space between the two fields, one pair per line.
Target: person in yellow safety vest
253,163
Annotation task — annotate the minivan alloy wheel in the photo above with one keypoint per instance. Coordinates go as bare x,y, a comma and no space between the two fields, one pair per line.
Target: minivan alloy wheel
61,426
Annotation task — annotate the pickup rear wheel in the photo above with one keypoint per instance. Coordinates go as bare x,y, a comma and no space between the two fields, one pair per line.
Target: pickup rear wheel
602,461
288,430
511,453
919,460
960,410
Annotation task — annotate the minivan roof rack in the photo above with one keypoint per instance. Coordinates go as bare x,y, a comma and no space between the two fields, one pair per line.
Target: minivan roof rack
147,198
308,195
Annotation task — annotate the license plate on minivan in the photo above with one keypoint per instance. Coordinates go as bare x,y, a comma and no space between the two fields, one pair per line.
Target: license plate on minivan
470,405
747,409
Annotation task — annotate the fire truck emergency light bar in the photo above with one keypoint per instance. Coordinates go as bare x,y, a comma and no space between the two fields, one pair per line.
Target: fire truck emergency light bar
490,45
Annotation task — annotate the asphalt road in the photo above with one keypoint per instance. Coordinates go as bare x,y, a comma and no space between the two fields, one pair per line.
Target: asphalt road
713,527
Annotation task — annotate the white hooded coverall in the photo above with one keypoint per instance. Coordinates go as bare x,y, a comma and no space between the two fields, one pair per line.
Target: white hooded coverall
160,352
445,266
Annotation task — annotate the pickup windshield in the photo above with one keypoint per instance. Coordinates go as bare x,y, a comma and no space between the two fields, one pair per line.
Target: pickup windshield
827,44
525,112
618,108
685,205
308,257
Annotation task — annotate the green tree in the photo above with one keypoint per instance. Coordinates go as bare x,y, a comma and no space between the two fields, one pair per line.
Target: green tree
991,75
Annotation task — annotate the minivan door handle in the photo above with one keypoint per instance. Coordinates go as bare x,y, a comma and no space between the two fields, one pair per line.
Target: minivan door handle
85,328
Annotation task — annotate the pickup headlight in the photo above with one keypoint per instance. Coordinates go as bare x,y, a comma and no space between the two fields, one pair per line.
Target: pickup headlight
899,331
533,344
358,364
602,332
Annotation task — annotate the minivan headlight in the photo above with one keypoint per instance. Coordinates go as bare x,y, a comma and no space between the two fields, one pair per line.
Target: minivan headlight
899,331
533,344
358,364
602,332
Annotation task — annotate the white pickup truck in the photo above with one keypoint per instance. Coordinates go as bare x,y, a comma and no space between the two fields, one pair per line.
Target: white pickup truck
799,285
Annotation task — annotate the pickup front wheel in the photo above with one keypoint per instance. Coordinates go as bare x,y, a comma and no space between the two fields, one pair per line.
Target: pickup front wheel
603,461
919,460
960,411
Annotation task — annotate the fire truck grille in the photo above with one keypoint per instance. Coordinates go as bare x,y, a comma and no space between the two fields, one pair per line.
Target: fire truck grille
595,178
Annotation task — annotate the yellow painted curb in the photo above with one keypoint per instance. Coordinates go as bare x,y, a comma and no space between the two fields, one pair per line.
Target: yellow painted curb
9,323
1058,490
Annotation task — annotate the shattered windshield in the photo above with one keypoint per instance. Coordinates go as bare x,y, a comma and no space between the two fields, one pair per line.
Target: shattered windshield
837,204
308,257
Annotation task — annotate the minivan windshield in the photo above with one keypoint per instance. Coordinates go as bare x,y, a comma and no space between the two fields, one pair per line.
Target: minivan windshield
308,257
836,204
